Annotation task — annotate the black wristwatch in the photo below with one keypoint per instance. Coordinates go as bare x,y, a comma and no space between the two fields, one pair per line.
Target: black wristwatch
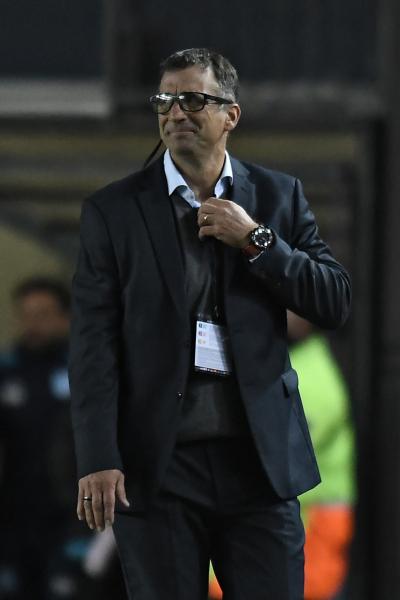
260,239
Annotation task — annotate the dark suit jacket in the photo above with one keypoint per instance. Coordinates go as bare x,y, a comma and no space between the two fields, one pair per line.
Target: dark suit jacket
131,332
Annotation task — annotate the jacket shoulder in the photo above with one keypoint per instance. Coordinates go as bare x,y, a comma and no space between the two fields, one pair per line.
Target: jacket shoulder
260,174
118,192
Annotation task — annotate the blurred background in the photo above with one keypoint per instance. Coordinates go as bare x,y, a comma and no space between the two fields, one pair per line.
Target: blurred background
320,94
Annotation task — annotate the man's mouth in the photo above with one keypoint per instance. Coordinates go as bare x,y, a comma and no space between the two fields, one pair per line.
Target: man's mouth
183,130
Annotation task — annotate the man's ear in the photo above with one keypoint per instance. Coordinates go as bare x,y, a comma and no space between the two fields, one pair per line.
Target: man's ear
232,116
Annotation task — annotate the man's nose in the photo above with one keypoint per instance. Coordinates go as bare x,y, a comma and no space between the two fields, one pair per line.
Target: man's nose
176,112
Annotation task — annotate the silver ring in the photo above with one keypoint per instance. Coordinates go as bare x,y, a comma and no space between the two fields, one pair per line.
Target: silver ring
205,218
87,499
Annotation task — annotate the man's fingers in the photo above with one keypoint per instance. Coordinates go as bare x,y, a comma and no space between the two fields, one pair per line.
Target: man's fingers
80,511
109,506
100,489
121,493
207,230
212,203
98,509
205,219
207,210
87,507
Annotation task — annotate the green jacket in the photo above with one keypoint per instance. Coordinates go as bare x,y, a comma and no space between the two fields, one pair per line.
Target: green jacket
326,404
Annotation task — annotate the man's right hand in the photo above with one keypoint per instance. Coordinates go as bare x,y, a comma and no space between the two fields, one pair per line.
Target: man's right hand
100,490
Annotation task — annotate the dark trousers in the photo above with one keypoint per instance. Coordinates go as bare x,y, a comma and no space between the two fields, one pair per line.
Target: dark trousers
215,503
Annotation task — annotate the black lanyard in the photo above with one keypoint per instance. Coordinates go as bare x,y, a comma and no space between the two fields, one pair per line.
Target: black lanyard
216,278
216,262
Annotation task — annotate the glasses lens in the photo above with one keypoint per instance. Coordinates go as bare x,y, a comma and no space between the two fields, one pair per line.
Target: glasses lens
161,103
191,101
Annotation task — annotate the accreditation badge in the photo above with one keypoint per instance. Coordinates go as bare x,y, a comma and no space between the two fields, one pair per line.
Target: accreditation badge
212,354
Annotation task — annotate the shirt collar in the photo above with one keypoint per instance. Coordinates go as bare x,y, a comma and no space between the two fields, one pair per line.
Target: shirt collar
177,183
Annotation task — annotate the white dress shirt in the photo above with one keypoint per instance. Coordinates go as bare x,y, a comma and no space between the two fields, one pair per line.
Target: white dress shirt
177,183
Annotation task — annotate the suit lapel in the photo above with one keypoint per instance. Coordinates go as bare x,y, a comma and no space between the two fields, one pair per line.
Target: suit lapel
243,191
158,214
244,194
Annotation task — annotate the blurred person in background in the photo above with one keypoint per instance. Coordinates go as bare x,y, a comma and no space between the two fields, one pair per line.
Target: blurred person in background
180,378
327,510
41,554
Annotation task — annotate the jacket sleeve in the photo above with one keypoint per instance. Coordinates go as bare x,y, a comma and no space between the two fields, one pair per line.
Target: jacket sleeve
302,274
94,347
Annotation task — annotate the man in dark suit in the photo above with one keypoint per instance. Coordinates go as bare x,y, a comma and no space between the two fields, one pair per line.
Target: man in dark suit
182,390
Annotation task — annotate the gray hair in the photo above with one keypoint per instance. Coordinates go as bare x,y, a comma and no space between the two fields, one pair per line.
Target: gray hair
224,72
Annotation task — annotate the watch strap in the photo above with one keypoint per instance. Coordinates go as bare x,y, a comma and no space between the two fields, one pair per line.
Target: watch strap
251,251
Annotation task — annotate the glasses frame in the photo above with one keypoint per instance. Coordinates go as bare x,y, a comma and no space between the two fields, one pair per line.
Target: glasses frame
179,98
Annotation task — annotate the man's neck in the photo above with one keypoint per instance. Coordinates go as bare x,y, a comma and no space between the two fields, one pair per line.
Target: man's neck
201,174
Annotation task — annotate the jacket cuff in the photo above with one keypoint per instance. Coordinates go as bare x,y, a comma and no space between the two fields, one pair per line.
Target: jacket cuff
96,455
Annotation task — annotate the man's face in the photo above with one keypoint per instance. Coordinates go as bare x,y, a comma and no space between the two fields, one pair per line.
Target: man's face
41,319
195,133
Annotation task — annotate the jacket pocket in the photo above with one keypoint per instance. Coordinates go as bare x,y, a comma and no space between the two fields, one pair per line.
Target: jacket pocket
290,381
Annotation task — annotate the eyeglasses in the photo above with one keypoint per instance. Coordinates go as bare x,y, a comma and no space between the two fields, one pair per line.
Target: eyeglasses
188,101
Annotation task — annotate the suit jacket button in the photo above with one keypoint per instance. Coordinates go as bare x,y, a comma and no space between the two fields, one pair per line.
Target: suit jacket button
180,395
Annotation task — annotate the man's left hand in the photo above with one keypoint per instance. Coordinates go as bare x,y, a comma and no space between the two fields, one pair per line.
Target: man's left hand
226,221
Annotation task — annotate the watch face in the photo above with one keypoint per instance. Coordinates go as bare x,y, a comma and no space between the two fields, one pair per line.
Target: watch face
262,237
